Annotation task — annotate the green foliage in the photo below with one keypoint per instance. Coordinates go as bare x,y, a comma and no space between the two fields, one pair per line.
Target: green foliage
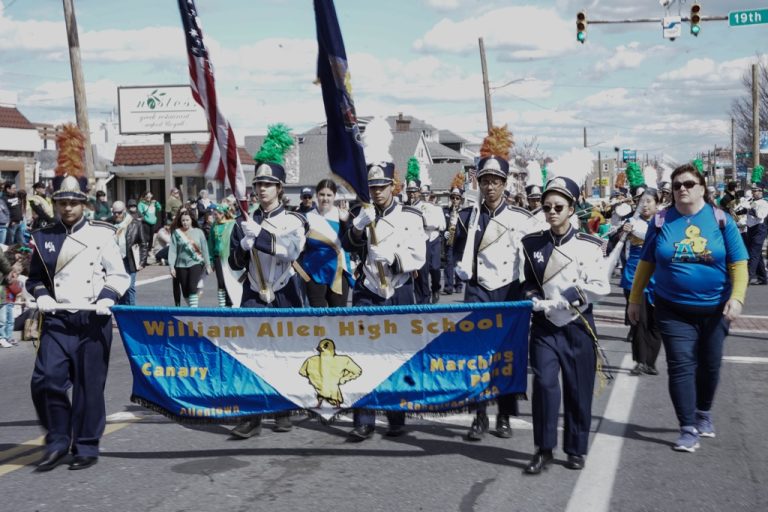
635,176
413,170
276,144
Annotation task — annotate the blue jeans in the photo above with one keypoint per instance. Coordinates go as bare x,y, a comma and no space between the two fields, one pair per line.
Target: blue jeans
694,346
3,233
129,298
14,232
6,321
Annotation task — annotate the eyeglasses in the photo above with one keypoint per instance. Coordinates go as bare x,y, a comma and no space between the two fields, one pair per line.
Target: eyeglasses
689,184
548,208
119,213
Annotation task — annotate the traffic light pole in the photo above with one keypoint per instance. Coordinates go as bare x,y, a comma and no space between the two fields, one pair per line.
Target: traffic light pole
653,20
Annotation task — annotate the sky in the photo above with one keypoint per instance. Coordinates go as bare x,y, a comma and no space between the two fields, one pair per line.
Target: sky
629,87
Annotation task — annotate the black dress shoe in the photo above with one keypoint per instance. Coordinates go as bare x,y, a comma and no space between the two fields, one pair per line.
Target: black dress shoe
539,461
82,462
479,427
283,424
503,429
50,460
639,369
435,297
575,462
650,370
361,433
247,428
395,431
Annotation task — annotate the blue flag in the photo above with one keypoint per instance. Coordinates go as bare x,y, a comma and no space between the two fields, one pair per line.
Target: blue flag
345,145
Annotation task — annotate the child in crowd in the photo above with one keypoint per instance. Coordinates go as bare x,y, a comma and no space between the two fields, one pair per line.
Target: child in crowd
8,291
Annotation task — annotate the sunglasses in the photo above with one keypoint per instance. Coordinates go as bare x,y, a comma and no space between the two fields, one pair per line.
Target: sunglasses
689,184
548,208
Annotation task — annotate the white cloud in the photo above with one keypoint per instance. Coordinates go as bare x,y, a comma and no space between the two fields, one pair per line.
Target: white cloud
706,70
443,5
626,57
544,33
609,99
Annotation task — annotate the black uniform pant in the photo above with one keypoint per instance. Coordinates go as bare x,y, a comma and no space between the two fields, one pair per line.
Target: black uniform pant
429,272
450,282
362,296
73,353
568,350
477,294
755,238
321,295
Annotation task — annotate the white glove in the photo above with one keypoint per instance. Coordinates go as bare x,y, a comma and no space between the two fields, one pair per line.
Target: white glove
247,243
251,228
461,273
543,305
365,217
446,234
46,304
561,303
103,305
379,253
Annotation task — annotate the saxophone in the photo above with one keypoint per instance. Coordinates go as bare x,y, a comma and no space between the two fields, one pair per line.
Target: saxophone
452,221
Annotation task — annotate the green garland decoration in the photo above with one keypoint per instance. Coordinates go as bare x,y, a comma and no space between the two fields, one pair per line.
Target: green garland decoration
757,174
699,165
544,175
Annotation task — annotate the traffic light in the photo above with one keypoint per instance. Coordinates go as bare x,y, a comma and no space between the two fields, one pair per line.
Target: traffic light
695,19
581,26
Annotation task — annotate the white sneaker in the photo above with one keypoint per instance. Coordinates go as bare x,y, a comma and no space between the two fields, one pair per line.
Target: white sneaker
4,343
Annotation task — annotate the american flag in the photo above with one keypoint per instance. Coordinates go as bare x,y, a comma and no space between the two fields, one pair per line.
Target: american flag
220,159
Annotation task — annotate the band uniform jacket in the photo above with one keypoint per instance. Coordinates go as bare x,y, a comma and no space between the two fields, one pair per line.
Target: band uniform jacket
498,258
572,267
77,264
278,245
399,228
434,219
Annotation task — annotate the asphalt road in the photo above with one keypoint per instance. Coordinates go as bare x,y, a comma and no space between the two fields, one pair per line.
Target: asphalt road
149,463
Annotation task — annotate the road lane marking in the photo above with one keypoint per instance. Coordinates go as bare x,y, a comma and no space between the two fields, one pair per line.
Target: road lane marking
745,359
28,458
594,487
152,280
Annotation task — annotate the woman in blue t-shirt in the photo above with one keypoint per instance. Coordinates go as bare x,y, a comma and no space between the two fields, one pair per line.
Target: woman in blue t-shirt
699,264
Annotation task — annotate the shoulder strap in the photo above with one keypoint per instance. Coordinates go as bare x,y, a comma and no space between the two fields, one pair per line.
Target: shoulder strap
720,217
658,219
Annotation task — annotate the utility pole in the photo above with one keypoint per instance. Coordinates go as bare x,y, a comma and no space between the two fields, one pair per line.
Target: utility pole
600,174
486,88
733,149
714,167
755,118
78,85
585,136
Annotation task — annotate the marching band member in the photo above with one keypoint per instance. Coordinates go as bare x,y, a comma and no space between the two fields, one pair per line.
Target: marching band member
266,245
534,182
564,276
451,214
388,261
494,256
434,222
76,262
756,233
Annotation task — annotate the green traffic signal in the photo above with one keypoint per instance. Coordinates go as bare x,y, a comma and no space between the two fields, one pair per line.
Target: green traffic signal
581,26
695,19
695,30
581,37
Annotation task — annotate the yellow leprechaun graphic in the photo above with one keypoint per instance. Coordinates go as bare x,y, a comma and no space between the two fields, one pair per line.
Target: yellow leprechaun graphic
327,371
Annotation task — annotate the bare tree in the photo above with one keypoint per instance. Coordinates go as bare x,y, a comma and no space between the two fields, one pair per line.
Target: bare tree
522,153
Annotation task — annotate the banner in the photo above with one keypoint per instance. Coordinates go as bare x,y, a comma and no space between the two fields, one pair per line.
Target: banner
218,365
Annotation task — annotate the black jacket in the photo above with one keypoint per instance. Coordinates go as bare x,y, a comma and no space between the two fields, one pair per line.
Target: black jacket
134,235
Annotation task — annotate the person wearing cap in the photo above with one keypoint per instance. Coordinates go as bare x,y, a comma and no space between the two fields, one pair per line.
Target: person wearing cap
533,194
101,209
729,196
133,246
306,205
265,246
386,266
434,223
493,259
76,262
42,212
564,277
756,234
451,285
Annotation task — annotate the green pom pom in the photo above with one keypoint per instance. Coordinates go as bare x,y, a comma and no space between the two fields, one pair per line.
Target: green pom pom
544,175
635,176
276,144
757,174
699,165
413,170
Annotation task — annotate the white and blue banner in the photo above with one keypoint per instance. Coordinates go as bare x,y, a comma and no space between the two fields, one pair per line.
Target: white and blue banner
219,365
